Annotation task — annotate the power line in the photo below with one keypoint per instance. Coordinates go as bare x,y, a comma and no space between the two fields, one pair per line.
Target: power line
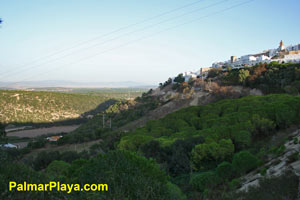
107,34
145,37
120,36
103,119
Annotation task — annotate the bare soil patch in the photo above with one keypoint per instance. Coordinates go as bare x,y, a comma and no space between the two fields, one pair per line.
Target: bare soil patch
43,131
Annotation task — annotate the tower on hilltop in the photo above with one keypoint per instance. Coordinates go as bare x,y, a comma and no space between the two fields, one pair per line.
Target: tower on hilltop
281,46
232,59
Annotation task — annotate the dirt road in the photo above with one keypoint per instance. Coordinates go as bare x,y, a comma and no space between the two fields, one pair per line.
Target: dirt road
43,131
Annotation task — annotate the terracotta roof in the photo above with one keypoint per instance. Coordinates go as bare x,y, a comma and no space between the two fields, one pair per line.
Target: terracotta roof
54,138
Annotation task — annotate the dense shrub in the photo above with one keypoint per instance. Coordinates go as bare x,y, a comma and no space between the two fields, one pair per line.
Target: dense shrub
175,159
205,180
39,143
11,170
179,79
226,119
270,78
128,176
244,161
212,152
225,170
44,158
242,140
234,183
263,171
174,192
57,170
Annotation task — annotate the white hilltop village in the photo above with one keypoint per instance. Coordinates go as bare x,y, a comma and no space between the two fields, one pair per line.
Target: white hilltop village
282,54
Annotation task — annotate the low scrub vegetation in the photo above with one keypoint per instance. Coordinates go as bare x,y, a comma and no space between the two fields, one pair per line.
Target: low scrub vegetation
270,78
39,107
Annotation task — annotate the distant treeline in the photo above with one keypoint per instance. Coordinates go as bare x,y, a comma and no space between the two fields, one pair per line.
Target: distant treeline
29,107
116,93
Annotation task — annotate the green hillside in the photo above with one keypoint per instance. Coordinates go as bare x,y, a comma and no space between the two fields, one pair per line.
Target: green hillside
271,78
220,142
225,119
207,148
31,106
121,113
198,152
209,151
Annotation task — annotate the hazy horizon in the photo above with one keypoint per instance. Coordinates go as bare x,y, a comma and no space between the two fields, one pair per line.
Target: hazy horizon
30,31
73,84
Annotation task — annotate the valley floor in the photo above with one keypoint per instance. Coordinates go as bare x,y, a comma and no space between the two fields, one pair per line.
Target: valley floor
43,131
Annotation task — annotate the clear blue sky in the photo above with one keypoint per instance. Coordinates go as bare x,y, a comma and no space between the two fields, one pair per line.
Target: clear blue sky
33,29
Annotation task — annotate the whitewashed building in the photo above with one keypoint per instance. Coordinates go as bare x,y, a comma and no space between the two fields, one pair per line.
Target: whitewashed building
189,75
8,145
218,64
281,54
262,58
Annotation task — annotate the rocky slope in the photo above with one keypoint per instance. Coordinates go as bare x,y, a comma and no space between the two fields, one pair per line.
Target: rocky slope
277,166
197,95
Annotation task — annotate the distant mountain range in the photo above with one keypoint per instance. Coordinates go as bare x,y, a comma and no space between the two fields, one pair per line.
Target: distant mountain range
73,84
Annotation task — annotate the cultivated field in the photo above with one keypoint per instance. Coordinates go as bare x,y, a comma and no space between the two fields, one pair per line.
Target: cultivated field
43,131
